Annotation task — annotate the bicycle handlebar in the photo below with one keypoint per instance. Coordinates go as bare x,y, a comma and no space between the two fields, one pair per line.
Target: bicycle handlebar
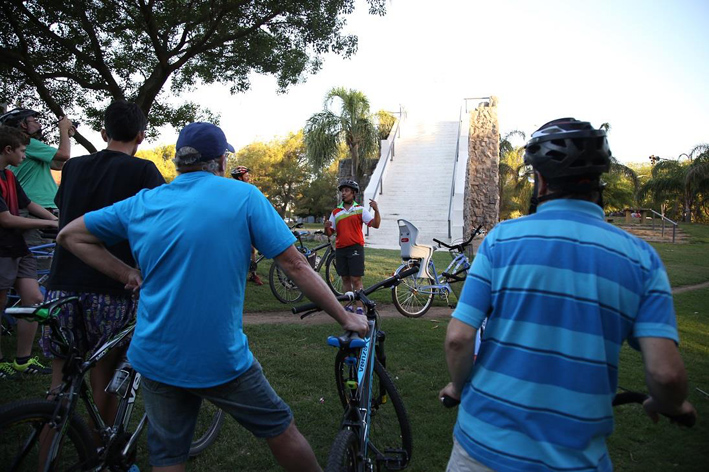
362,294
460,247
621,398
41,312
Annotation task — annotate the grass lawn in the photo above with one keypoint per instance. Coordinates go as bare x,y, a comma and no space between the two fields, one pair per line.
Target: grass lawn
299,364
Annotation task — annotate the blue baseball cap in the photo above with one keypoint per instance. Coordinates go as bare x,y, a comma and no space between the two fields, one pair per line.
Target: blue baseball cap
208,139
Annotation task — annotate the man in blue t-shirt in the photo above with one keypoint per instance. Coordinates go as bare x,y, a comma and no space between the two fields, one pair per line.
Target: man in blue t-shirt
561,290
192,241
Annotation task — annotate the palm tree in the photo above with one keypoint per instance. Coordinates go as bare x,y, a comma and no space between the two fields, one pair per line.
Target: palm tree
353,126
515,183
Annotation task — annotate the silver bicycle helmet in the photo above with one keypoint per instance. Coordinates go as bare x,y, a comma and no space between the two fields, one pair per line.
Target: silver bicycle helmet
15,117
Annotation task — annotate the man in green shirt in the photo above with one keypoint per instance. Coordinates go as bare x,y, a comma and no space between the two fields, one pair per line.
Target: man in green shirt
34,173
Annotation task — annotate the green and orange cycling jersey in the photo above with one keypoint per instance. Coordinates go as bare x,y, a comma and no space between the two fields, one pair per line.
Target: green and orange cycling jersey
347,224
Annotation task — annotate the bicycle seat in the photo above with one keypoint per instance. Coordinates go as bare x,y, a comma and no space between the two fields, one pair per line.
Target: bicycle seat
408,233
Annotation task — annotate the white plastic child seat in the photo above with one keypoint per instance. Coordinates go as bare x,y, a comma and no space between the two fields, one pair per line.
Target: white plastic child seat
410,250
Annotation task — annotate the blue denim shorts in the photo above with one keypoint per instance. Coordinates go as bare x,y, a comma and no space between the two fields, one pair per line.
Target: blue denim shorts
172,412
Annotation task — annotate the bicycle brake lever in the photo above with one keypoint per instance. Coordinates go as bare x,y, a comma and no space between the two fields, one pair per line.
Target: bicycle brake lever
308,313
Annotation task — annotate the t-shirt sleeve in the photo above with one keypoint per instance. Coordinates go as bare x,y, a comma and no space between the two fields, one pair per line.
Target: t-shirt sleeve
109,224
656,316
475,299
151,176
269,233
367,216
333,221
39,151
22,199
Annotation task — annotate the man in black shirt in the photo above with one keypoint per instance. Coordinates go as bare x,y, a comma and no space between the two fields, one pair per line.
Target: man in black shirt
90,183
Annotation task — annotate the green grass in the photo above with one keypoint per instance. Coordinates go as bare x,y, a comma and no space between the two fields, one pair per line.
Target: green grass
299,365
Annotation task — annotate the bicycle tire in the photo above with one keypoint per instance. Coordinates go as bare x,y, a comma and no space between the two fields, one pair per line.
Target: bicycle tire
209,423
390,431
407,297
343,453
332,278
20,420
283,288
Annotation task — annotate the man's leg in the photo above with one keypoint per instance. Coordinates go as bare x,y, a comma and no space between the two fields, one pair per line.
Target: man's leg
292,451
29,292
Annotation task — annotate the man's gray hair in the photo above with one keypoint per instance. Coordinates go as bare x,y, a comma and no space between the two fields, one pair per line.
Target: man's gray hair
188,156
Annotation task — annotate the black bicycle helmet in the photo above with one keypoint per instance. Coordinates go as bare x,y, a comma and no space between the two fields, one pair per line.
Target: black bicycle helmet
567,148
349,183
15,117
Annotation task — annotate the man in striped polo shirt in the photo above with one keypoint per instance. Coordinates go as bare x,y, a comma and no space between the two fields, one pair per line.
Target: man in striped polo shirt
563,290
346,221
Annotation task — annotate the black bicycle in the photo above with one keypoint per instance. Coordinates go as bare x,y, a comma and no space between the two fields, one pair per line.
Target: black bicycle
50,435
375,432
285,290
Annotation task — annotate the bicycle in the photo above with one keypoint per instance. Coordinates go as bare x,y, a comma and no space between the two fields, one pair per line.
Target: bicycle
415,295
372,434
52,432
285,290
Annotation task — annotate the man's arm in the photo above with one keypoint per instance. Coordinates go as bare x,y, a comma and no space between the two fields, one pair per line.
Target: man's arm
377,217
327,224
665,377
297,268
76,238
66,131
460,351
8,220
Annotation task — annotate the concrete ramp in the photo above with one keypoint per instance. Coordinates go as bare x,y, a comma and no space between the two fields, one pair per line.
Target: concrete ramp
417,183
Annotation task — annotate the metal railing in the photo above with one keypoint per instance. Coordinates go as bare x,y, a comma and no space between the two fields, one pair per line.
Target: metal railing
457,152
663,218
393,134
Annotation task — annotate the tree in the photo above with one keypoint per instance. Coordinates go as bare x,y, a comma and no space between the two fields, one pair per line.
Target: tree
353,126
515,183
77,56
162,157
278,168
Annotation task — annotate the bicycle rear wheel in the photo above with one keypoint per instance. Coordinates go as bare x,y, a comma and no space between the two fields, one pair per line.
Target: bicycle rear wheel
209,422
343,453
283,288
333,279
410,298
21,425
390,438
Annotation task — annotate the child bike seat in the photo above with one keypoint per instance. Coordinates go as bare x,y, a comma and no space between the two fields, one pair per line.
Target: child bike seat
408,233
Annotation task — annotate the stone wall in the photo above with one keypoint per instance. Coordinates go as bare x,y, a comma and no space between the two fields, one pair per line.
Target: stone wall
482,201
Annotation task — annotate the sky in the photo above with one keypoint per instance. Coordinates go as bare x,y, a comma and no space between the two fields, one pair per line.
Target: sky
639,65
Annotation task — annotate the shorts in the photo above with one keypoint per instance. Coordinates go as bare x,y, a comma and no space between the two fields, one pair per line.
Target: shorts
94,319
172,412
461,461
349,261
13,268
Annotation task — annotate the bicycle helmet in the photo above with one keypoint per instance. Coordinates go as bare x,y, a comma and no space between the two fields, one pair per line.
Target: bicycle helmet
349,183
568,148
569,154
15,117
239,171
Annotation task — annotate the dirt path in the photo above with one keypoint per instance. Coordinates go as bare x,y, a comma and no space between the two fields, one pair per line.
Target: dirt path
385,311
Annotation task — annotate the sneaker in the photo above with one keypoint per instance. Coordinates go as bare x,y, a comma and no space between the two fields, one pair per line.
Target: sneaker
255,278
31,367
7,371
349,309
360,311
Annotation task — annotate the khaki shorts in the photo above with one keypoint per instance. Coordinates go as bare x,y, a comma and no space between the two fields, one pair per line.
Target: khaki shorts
13,268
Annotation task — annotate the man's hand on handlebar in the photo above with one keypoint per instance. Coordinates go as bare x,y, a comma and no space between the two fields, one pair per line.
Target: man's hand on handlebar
356,323
686,410
450,392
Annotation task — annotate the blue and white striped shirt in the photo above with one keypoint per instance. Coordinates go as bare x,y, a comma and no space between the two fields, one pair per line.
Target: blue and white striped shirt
563,290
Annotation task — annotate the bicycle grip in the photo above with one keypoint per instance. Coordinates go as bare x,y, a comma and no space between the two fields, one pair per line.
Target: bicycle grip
449,402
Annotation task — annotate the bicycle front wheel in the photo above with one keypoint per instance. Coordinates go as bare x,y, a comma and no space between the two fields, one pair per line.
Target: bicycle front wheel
283,288
390,438
413,296
343,453
22,428
209,422
333,279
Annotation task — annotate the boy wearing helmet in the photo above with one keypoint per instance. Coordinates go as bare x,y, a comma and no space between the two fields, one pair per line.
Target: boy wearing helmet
346,222
243,174
562,290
